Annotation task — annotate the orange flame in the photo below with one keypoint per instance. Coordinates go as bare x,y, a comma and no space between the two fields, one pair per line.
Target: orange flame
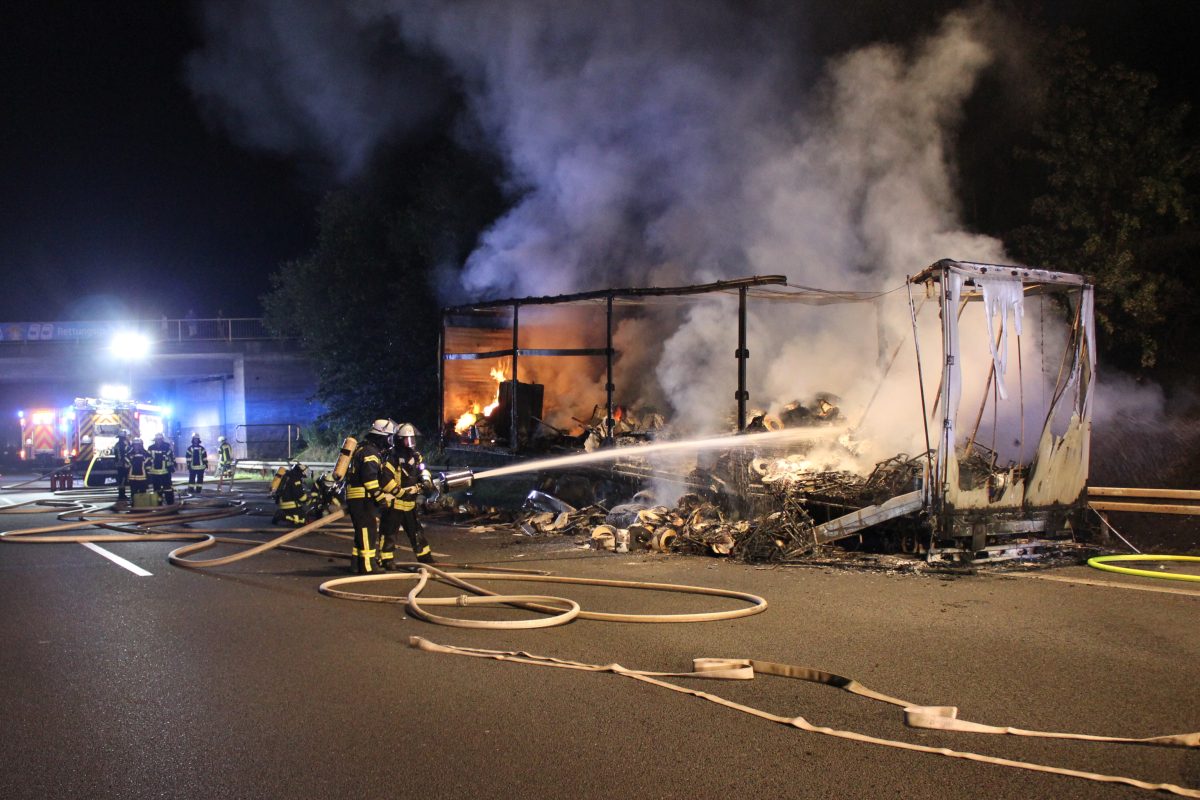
468,419
497,374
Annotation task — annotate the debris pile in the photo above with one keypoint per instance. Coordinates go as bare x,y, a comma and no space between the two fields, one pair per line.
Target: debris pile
702,523
800,475
694,526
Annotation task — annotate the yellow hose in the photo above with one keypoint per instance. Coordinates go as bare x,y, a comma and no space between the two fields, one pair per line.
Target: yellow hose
1102,562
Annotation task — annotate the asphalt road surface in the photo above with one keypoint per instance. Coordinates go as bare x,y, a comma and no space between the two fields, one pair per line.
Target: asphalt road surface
244,682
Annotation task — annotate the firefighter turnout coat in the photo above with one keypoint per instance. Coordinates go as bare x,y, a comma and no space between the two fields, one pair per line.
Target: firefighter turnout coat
291,499
160,467
362,495
225,459
138,458
197,461
404,475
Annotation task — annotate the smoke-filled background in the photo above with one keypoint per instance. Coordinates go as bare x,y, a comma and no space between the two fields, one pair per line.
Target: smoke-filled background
649,144
648,141
663,142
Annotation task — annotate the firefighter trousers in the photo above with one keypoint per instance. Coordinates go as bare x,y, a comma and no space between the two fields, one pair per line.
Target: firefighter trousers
161,483
122,481
195,480
365,518
291,511
390,522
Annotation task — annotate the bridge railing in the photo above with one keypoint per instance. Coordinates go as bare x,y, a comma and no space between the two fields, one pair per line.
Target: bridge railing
228,329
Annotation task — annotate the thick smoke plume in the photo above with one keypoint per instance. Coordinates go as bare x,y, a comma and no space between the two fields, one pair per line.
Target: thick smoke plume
654,142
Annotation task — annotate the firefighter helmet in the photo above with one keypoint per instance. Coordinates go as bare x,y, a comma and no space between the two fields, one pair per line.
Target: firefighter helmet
407,434
382,427
220,440
195,438
158,437
137,440
121,434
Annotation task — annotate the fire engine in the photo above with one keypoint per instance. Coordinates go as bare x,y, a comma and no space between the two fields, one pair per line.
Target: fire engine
94,427
43,437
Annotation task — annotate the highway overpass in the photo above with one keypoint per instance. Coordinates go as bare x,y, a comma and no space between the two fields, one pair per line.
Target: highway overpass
219,376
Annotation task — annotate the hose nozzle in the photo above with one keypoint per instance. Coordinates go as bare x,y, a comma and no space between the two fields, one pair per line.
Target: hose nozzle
459,479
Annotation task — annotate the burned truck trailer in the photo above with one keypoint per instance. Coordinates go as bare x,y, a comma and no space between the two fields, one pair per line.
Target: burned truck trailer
1045,495
998,435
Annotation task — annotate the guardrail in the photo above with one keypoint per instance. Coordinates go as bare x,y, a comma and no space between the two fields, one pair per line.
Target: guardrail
1190,507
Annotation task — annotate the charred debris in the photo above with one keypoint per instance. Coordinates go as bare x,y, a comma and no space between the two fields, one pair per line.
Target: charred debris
973,491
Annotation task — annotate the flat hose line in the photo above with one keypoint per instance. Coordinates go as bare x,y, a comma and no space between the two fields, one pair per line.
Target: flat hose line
564,610
1104,563
918,716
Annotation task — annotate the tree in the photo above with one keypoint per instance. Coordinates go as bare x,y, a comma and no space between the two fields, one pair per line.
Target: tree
1116,202
363,304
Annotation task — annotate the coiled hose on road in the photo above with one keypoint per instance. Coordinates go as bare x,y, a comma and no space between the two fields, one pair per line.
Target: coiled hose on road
149,526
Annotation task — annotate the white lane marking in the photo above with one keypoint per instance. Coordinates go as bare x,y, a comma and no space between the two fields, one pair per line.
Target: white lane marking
116,559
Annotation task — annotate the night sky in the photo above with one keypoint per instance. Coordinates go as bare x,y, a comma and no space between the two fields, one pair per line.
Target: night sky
119,197
115,191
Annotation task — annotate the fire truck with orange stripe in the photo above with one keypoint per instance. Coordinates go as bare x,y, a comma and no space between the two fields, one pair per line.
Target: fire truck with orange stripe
43,436
94,427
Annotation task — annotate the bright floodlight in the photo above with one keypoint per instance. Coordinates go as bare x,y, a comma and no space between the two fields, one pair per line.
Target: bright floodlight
130,346
114,391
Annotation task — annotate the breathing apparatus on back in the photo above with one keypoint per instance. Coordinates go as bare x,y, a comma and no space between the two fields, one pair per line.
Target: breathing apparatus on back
278,479
349,445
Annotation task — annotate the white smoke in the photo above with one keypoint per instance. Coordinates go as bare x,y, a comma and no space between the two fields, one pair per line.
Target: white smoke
657,142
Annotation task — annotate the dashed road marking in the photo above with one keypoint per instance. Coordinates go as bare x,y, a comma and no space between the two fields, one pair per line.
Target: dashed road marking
116,559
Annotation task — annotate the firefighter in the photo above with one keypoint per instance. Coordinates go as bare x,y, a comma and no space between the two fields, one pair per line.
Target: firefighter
224,458
121,454
138,482
162,464
291,498
197,461
405,476
326,495
363,494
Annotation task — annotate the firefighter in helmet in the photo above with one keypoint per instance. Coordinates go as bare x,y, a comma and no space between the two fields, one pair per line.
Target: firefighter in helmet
363,492
197,461
121,454
291,498
162,464
224,458
138,457
405,477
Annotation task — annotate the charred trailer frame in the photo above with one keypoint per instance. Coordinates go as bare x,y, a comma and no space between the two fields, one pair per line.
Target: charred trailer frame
1047,495
501,315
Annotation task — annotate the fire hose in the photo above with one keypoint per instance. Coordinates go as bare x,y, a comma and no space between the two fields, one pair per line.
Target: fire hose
1104,563
566,610
917,716
563,610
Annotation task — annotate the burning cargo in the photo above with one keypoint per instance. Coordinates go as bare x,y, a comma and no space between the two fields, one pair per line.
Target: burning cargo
951,430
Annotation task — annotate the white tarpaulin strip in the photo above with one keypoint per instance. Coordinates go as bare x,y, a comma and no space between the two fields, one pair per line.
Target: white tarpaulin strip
1000,296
